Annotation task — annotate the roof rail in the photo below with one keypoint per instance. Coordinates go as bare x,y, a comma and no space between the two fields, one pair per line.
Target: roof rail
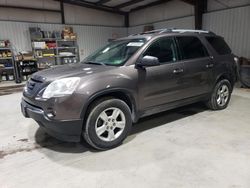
153,31
148,32
189,30
169,30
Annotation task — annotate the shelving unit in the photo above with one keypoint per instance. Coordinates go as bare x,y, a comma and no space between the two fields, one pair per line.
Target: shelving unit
51,51
7,70
26,67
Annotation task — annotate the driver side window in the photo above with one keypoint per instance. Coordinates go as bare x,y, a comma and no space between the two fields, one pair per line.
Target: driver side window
164,49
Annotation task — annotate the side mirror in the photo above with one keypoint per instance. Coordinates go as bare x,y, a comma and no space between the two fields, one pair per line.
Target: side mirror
148,61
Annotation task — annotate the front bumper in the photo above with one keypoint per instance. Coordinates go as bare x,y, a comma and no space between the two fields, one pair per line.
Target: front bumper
65,130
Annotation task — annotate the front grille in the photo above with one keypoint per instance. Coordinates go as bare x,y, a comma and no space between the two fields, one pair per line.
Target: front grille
31,85
35,80
34,106
34,85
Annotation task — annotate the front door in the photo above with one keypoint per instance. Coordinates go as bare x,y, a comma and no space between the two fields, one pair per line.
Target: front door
161,84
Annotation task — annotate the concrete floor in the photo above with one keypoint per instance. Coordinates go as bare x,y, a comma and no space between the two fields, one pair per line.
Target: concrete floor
186,147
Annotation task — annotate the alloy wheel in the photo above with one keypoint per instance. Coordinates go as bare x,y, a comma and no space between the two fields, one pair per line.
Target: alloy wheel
222,95
110,124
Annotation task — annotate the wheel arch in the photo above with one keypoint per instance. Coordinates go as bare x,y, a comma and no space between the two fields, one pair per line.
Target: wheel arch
226,76
121,94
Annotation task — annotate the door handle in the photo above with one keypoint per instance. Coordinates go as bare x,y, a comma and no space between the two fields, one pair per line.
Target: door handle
209,65
177,71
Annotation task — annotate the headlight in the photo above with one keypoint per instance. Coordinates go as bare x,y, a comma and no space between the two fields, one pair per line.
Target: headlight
62,87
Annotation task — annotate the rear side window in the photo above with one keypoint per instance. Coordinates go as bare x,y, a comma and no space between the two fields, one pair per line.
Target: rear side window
219,45
191,47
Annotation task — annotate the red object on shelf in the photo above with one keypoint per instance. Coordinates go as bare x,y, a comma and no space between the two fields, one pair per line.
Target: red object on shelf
51,45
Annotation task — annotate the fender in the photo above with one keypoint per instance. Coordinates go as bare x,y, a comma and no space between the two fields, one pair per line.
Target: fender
108,91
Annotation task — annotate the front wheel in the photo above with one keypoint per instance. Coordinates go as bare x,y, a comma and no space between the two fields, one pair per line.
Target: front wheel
108,124
220,96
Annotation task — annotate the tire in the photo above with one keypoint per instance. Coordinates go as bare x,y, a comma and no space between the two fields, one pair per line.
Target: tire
220,96
108,124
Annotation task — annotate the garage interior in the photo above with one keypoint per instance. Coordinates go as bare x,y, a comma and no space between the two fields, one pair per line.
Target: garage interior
189,146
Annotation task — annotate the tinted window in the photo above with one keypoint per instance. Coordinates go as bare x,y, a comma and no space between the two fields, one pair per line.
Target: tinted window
191,47
219,45
163,49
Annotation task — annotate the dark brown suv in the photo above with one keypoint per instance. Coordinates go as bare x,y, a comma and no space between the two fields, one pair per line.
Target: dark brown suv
130,78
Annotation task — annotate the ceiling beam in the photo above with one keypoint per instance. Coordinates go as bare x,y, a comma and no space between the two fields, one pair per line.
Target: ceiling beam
150,5
126,4
101,2
93,6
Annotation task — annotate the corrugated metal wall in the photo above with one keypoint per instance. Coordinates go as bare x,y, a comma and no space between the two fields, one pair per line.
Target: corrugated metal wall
185,22
73,14
90,37
173,9
234,25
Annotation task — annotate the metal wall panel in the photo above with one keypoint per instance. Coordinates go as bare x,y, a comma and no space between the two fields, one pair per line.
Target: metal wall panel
92,37
223,4
166,11
234,25
73,14
81,15
50,4
89,37
185,22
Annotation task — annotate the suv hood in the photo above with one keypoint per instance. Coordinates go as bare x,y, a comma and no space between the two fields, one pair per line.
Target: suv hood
70,70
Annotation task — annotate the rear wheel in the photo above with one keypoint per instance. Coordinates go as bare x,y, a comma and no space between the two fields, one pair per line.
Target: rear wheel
220,96
108,124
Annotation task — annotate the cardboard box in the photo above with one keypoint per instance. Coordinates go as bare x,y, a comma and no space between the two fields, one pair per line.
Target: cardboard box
68,29
73,36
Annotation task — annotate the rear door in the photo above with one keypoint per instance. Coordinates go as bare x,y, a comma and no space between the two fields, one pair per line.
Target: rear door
223,57
198,66
161,84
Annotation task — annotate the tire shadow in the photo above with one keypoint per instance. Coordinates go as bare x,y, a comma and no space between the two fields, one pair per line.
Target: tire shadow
144,124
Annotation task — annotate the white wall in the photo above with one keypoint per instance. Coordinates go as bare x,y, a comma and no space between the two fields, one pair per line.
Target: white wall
73,14
173,14
233,25
177,9
228,18
105,25
30,15
185,22
80,15
47,4
162,12
89,37
223,4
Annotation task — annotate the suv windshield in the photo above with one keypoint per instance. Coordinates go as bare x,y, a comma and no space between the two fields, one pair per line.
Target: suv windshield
115,53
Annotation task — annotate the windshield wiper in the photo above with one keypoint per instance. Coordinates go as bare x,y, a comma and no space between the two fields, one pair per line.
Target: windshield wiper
93,62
